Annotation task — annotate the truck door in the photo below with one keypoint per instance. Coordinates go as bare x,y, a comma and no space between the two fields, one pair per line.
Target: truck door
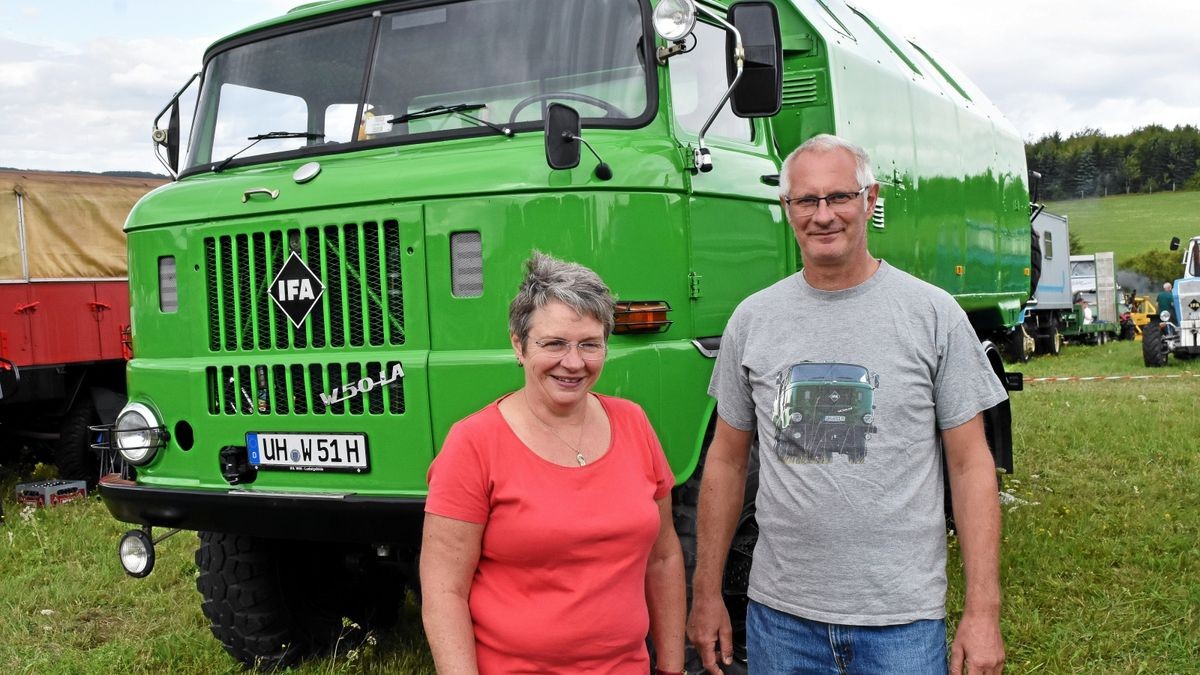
739,238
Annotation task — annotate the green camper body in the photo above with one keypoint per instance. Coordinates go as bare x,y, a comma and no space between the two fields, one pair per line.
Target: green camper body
386,228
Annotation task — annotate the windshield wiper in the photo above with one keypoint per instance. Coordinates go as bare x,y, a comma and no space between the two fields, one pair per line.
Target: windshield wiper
457,109
270,135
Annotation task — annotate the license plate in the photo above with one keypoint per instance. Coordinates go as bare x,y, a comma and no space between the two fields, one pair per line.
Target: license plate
835,418
308,452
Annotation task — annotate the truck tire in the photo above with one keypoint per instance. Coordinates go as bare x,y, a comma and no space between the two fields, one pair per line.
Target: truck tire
684,501
73,453
1054,341
1015,344
272,603
1154,350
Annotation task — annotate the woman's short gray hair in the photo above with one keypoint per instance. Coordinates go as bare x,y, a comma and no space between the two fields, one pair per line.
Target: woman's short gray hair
548,279
826,143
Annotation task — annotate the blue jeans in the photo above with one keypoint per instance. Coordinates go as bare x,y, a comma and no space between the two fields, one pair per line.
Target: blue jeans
779,643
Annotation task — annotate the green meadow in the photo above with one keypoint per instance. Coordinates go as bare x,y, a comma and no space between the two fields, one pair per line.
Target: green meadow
1131,224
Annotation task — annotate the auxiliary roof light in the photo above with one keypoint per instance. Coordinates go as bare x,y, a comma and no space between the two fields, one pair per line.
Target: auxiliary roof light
674,19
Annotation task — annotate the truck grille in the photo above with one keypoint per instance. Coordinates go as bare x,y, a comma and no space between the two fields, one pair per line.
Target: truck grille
359,263
315,388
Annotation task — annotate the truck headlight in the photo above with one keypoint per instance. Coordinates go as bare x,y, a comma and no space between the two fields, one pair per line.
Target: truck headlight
138,435
1164,315
674,19
868,418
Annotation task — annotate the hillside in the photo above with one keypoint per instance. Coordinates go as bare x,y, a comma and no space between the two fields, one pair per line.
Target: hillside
1131,224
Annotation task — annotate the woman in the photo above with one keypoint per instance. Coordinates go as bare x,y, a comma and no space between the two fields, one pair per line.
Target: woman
548,543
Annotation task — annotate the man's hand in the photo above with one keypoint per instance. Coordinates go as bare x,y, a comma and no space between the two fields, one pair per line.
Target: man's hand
978,648
710,632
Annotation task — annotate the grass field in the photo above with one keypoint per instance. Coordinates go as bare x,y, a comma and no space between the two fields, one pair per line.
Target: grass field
1131,224
1100,561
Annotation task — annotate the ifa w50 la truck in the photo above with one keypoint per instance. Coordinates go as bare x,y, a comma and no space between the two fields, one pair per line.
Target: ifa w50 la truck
322,291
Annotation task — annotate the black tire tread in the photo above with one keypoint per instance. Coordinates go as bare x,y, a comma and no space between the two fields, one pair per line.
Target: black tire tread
1154,352
245,602
73,454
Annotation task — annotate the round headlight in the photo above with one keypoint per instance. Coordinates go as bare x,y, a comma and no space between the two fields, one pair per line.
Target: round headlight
137,434
868,418
136,551
1165,315
674,19
796,417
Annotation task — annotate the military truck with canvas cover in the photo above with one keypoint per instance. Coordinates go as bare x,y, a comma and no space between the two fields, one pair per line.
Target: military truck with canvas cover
355,195
64,311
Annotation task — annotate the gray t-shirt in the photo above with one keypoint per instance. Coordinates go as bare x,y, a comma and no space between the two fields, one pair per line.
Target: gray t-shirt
847,390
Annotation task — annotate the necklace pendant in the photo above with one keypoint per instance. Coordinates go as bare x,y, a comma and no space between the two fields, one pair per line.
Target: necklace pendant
579,458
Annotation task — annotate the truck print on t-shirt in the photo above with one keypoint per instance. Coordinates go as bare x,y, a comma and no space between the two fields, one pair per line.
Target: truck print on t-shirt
822,409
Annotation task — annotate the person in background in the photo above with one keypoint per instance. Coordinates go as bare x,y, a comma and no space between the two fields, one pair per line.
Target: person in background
548,544
1166,301
849,570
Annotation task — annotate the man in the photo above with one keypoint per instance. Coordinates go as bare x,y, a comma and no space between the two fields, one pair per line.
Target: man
856,377
1166,301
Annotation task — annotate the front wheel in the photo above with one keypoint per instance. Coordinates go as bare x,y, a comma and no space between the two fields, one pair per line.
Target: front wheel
1154,349
272,603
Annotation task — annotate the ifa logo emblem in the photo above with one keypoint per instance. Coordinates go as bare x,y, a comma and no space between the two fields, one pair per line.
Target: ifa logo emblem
296,290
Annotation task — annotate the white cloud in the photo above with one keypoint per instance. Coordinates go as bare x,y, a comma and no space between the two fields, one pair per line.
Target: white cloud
81,93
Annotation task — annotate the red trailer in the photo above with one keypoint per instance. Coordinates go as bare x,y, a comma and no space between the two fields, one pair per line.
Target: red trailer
64,310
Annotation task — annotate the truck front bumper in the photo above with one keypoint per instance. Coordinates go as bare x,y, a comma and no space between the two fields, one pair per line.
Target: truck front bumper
281,515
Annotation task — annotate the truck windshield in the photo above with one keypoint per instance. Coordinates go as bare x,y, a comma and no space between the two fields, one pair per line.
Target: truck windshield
829,372
483,61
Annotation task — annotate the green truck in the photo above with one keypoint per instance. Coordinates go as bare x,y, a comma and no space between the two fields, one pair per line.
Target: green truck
322,290
823,409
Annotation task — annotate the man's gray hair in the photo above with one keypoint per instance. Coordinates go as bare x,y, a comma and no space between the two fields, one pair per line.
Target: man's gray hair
548,279
827,143
1167,286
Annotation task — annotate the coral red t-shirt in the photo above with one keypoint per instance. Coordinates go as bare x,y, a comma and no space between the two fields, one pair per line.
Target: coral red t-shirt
560,586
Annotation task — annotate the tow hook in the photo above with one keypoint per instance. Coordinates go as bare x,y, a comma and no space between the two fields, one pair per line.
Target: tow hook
136,550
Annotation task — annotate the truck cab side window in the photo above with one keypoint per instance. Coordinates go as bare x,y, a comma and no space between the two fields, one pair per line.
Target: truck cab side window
698,80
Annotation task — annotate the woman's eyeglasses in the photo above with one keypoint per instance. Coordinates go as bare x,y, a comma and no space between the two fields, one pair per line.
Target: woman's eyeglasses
588,351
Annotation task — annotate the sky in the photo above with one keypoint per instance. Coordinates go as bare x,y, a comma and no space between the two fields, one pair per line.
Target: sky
82,80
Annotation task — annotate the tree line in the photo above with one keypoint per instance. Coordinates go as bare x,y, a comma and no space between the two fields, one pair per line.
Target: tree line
1089,163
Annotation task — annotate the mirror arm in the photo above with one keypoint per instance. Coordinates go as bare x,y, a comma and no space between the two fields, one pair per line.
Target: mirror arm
701,157
159,135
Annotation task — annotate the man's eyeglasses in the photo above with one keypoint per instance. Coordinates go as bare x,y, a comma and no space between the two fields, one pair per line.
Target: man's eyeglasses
808,205
588,351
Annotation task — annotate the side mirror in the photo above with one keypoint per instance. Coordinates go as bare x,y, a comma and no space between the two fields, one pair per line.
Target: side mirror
10,379
562,128
1174,243
760,91
168,139
1035,186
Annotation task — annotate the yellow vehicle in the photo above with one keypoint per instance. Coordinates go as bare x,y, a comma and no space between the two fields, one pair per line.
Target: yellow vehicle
1141,309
